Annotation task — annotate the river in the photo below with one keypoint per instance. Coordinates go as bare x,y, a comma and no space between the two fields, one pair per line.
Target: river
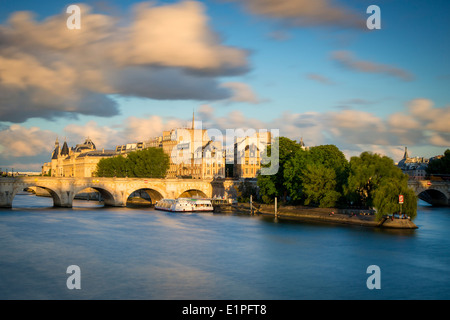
128,253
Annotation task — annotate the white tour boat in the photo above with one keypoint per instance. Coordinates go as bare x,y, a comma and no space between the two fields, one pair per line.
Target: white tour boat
184,205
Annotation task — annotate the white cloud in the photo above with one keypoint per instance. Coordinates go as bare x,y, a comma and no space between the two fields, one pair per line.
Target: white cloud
242,92
440,139
142,129
347,60
102,136
19,141
176,36
306,12
165,52
319,78
431,118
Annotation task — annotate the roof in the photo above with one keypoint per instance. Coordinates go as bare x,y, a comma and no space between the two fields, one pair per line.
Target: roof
96,153
55,153
87,144
65,149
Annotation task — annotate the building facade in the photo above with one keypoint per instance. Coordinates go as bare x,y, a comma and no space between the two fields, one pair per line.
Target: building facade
79,161
415,168
247,154
193,154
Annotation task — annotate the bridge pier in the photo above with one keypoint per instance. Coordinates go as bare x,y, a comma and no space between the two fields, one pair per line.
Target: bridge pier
62,195
63,198
6,199
118,200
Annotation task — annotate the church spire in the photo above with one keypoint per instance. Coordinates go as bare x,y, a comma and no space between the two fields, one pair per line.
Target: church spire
405,155
193,120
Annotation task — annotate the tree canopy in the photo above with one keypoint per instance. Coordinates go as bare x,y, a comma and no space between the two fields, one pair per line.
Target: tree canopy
366,173
147,163
316,176
386,198
322,176
272,186
440,166
375,181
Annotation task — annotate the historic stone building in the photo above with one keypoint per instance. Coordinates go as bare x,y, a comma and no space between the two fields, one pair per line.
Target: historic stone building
191,151
248,153
414,167
79,161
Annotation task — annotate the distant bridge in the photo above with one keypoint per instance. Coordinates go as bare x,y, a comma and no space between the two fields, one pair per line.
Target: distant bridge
114,191
434,192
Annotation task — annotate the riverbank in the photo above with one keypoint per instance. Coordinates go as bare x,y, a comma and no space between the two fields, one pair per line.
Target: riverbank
364,218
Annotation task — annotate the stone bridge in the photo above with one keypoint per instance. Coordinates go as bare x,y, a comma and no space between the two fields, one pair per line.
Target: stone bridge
432,191
114,191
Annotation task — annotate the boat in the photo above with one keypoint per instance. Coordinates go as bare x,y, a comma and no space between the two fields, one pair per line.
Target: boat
184,205
223,201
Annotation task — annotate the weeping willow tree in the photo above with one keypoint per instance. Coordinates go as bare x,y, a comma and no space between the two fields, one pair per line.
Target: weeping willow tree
375,181
386,199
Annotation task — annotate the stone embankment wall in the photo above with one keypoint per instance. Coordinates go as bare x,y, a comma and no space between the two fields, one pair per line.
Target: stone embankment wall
328,215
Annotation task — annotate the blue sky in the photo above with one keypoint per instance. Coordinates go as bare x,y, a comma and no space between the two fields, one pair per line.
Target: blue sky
314,73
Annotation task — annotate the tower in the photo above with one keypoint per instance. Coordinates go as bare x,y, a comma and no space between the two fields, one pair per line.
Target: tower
65,149
405,155
55,153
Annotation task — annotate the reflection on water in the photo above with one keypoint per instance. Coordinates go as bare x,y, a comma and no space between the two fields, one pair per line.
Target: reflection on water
140,253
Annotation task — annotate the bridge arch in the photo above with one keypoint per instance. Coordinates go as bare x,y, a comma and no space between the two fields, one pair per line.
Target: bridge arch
434,197
145,195
107,196
54,194
193,193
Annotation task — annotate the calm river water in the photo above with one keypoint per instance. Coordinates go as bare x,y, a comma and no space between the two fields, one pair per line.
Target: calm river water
126,253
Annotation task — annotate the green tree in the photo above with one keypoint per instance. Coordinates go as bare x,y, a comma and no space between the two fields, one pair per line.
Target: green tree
147,163
317,176
386,199
440,166
366,173
111,167
331,157
293,175
245,190
375,181
271,186
319,185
